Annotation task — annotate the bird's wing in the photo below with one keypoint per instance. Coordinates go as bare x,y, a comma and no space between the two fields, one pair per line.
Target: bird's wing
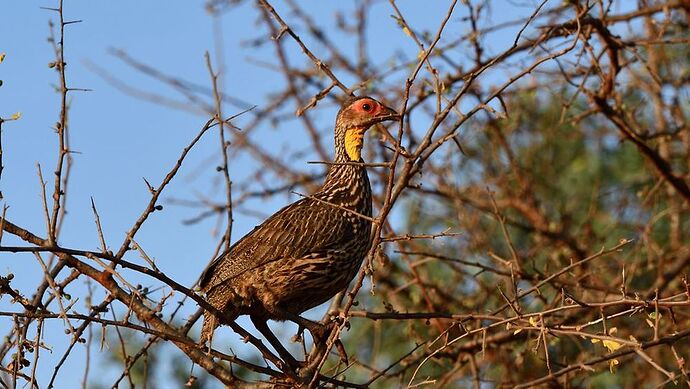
296,230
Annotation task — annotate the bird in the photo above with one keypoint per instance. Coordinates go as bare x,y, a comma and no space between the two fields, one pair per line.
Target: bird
307,252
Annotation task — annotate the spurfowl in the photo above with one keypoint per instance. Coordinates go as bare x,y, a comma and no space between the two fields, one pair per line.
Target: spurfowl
308,251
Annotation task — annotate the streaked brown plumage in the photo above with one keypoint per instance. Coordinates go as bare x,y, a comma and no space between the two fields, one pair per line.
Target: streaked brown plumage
308,251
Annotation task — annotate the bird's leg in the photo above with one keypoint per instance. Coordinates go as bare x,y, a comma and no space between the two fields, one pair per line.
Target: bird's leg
262,326
318,331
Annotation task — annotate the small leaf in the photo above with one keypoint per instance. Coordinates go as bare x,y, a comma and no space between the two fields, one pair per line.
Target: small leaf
596,340
2,57
517,331
613,330
407,31
190,381
16,116
652,315
612,345
421,55
612,365
533,321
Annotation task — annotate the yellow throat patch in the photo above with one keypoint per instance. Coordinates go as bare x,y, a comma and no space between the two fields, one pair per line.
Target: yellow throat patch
354,142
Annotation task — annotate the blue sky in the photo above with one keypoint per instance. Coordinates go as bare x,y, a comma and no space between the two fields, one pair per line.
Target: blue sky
119,139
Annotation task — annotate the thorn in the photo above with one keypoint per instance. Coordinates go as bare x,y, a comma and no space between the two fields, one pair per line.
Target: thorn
149,186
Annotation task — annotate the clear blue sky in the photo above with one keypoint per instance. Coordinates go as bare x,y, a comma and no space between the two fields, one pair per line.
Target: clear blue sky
119,139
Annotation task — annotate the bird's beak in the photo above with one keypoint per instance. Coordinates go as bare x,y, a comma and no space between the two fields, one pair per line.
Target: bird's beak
387,114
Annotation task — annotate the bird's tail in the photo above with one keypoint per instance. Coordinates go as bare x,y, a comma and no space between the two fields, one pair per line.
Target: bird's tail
210,324
219,300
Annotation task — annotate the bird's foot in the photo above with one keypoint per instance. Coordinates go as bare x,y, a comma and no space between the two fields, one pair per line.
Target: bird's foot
293,363
341,319
298,336
321,332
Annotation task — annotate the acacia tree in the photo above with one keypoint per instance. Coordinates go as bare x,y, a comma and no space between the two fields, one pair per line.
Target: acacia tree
531,206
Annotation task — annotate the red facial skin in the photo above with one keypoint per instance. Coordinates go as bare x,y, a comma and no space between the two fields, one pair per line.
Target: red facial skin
368,107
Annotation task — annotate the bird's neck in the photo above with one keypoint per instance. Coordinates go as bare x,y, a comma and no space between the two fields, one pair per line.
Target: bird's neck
346,166
345,172
347,182
349,143
347,185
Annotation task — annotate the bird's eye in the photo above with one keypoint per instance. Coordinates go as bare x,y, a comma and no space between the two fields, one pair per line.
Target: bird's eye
366,107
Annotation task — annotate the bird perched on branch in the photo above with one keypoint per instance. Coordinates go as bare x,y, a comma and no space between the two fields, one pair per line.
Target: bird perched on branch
308,251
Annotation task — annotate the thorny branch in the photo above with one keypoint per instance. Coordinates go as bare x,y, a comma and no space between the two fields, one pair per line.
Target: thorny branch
550,150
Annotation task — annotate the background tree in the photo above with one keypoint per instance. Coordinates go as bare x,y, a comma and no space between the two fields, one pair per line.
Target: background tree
531,206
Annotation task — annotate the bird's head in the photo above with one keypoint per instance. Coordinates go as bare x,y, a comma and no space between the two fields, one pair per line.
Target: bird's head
354,119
